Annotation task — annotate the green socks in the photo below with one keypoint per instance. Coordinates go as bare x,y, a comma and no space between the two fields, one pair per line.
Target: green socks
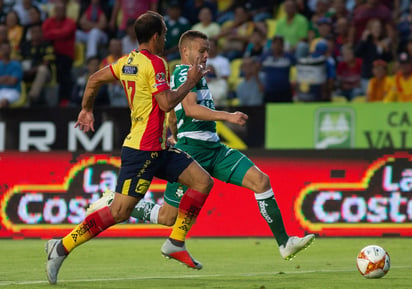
270,211
146,211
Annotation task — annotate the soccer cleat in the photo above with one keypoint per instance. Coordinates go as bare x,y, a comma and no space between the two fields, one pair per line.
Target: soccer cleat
294,245
180,254
104,201
54,261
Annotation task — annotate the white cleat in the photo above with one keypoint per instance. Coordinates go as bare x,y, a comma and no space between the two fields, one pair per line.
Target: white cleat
180,254
54,261
104,201
294,245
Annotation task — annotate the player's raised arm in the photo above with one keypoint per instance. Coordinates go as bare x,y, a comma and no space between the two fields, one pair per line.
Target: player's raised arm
168,99
85,120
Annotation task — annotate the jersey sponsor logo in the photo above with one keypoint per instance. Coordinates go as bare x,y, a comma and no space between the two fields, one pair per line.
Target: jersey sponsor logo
129,69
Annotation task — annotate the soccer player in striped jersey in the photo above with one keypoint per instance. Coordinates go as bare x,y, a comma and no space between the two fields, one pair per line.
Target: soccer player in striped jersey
145,154
195,118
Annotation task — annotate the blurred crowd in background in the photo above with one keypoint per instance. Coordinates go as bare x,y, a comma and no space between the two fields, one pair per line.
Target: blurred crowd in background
260,50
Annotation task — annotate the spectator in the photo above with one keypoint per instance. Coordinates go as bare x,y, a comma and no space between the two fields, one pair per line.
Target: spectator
250,90
338,10
92,26
206,24
235,34
37,58
14,31
324,26
408,48
130,9
349,74
256,45
260,10
342,35
293,27
192,8
115,52
405,28
129,41
10,77
372,9
402,83
381,85
102,97
72,9
35,18
7,5
315,75
116,92
218,87
276,65
3,12
3,34
321,10
219,62
372,46
176,24
61,30
23,11
226,10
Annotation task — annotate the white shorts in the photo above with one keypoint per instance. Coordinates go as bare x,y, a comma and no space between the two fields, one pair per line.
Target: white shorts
12,95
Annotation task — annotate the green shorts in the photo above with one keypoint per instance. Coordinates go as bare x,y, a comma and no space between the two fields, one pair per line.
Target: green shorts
221,162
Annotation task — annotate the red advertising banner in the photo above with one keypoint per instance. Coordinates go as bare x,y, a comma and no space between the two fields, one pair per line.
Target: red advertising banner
330,193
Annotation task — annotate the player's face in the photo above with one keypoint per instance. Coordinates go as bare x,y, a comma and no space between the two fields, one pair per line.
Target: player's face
161,40
199,48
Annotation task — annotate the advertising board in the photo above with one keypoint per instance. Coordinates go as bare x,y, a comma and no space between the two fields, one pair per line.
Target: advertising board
328,192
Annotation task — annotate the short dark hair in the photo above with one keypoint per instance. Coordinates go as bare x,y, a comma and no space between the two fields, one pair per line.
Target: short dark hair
191,35
147,25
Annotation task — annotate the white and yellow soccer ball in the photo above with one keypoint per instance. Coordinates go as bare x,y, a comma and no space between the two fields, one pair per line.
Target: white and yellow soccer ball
373,262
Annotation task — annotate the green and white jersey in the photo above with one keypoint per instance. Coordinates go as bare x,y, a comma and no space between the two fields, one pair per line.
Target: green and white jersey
188,127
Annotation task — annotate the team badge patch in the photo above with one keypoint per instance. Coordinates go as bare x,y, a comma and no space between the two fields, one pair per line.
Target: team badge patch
160,77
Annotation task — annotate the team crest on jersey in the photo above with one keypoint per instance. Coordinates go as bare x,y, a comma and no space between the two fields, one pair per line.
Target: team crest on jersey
160,77
129,60
129,69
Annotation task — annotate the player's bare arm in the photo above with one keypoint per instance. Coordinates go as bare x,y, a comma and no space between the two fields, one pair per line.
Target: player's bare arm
200,112
85,120
168,99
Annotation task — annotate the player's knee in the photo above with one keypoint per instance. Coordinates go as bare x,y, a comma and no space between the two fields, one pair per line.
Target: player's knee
169,221
204,183
167,217
261,183
120,215
210,183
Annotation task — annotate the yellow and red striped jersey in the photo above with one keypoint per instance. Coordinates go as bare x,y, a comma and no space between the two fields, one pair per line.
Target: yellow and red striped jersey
143,75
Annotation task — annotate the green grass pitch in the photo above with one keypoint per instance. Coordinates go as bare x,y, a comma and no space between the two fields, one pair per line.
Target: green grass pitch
238,263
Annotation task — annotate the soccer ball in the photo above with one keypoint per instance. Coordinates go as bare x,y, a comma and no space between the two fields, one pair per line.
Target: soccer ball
373,262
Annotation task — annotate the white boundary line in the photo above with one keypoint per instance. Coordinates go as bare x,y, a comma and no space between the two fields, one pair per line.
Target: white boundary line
254,274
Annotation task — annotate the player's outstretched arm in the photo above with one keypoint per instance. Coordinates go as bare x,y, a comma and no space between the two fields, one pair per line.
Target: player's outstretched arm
85,120
200,112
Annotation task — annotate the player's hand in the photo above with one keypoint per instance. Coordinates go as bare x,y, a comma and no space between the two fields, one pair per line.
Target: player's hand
85,121
171,141
197,71
239,118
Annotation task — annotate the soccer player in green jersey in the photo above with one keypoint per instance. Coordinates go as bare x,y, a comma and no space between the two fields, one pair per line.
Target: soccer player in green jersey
195,118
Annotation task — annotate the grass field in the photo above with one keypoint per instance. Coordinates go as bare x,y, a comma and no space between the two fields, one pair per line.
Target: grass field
228,263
